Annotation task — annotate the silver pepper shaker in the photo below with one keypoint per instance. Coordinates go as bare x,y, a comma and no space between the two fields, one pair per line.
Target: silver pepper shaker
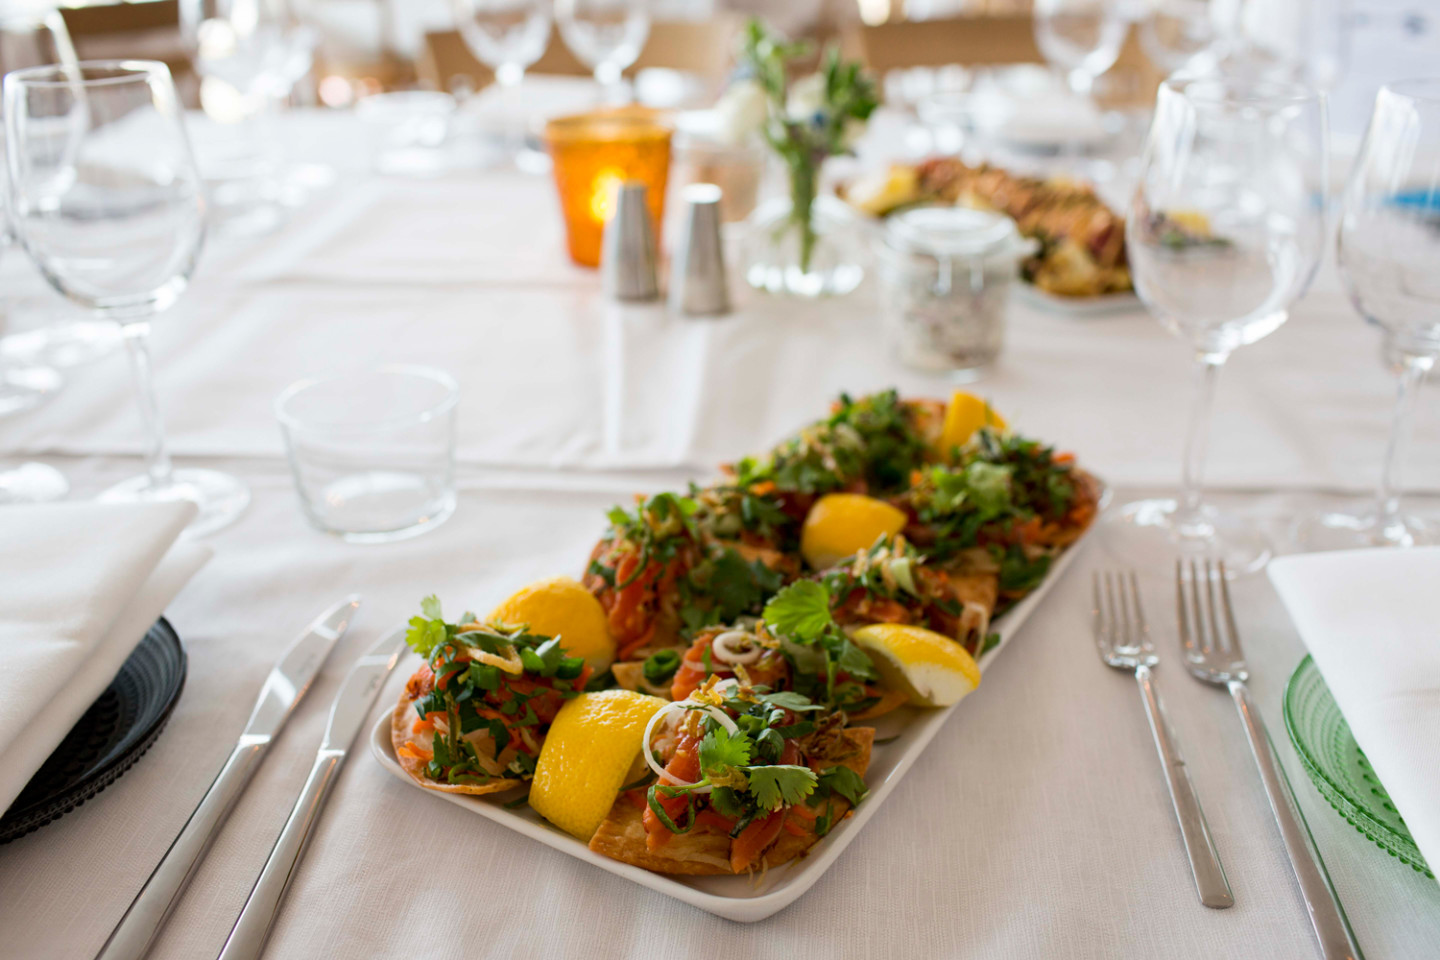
627,249
698,285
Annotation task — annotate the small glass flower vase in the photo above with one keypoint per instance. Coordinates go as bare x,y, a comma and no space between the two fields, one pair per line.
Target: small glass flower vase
773,259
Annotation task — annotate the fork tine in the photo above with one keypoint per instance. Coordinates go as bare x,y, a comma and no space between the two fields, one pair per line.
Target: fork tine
1221,641
1142,629
1229,610
1097,614
1187,638
1117,599
1204,616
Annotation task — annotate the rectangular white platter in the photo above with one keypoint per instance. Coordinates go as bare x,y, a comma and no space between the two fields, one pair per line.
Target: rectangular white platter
741,898
1106,304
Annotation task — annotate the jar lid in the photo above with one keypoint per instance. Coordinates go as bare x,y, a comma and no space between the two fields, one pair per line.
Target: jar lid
952,232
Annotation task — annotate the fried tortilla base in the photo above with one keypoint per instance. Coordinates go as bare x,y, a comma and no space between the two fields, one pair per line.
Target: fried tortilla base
401,722
705,851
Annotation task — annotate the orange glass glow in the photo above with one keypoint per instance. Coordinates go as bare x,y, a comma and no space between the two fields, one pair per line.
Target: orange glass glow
593,154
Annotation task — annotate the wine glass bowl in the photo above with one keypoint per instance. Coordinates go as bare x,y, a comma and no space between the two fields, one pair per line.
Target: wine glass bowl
505,35
261,49
606,35
104,195
1387,250
1080,37
113,217
1227,226
35,336
1174,33
1223,235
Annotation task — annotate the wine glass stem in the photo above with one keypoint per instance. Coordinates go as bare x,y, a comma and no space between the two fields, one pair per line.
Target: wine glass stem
1207,370
157,457
612,82
1387,508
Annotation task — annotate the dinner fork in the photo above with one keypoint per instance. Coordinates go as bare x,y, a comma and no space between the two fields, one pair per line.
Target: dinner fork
1123,637
1212,653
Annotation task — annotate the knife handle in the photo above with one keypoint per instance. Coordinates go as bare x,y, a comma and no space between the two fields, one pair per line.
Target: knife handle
1322,903
137,929
247,939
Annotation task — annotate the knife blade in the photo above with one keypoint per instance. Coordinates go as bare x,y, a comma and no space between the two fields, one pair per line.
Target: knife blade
347,715
286,684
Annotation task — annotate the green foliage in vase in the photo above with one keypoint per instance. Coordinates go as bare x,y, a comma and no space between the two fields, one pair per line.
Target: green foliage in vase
810,119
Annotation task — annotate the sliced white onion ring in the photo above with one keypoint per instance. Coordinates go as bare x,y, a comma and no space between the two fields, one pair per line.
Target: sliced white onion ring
721,717
725,648
727,687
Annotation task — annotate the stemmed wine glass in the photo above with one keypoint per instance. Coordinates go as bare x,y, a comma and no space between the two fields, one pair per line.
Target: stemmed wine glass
32,36
1175,33
1082,38
259,50
507,36
1224,233
606,35
1306,41
1389,254
105,197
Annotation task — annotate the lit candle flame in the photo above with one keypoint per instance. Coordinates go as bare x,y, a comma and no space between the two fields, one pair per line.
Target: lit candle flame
603,191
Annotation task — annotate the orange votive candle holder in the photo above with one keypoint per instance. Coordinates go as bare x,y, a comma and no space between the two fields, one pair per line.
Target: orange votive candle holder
592,154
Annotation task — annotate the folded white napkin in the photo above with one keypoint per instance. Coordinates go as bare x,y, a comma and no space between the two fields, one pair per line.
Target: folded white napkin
80,583
1369,619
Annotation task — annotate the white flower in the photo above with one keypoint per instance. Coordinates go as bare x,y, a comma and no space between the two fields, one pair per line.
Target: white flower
807,98
854,130
742,109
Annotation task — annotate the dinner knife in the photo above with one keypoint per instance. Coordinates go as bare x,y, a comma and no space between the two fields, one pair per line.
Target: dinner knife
286,684
347,715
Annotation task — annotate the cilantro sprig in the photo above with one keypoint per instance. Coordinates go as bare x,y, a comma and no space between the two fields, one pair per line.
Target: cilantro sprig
474,691
872,440
740,770
1000,480
825,665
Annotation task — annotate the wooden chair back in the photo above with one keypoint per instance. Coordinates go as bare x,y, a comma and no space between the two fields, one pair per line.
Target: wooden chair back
988,40
142,31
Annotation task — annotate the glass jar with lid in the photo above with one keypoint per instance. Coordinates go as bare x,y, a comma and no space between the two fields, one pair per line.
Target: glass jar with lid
945,276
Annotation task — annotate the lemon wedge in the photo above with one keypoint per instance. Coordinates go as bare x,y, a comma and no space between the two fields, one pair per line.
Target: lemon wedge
932,669
1193,220
880,192
592,746
561,607
965,415
841,523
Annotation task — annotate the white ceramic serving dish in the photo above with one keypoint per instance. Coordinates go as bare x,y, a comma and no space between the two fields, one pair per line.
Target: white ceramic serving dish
742,898
1103,305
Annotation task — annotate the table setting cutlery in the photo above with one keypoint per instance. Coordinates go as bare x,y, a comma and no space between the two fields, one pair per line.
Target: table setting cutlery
1124,641
286,684
1211,641
348,714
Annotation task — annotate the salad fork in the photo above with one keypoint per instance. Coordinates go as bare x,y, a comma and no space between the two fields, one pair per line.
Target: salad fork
1212,653
1124,641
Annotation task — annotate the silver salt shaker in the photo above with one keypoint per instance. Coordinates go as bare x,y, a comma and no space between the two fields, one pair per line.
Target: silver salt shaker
698,284
627,248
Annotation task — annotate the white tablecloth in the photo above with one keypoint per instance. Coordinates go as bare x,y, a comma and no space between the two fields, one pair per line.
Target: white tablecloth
1037,825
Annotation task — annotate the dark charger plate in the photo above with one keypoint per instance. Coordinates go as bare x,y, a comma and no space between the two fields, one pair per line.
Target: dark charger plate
117,729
